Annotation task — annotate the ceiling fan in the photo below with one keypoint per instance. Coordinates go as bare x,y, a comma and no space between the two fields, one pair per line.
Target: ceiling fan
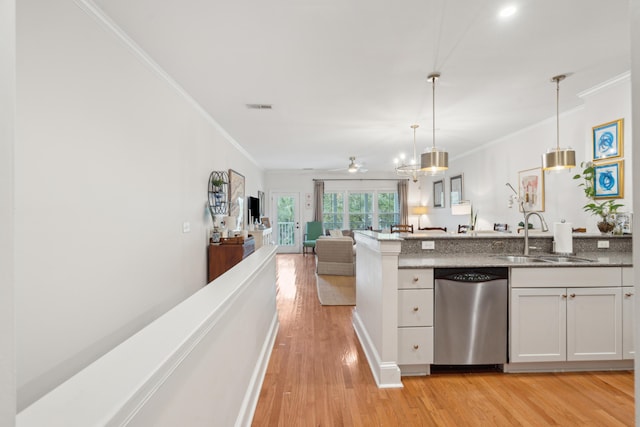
354,167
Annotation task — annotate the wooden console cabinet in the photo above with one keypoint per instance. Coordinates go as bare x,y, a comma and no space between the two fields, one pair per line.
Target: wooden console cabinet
223,257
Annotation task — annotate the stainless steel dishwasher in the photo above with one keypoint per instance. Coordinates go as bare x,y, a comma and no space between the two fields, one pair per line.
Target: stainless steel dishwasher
471,316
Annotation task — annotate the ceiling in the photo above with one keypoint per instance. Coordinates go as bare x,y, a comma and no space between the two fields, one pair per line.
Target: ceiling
349,77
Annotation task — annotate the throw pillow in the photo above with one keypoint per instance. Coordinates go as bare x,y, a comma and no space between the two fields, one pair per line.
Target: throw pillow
335,233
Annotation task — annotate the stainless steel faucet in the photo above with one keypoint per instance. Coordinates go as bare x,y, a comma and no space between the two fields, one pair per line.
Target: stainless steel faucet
543,224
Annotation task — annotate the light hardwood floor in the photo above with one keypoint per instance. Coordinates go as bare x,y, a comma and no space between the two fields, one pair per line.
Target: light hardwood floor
319,376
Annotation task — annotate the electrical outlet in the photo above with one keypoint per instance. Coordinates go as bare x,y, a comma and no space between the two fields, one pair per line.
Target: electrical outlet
428,244
186,227
603,244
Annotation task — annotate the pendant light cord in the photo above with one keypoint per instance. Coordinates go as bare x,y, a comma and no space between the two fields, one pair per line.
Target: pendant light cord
558,113
433,87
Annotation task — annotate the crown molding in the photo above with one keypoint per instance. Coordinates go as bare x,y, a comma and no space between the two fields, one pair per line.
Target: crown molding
626,76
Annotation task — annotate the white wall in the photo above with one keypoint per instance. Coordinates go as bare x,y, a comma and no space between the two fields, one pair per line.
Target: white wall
110,161
487,170
7,117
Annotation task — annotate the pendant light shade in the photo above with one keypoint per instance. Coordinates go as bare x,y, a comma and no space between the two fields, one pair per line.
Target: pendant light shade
557,159
434,161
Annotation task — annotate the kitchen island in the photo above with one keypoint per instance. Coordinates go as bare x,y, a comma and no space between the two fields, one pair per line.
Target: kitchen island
566,313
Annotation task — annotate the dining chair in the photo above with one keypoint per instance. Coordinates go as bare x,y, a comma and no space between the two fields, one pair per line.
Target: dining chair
402,228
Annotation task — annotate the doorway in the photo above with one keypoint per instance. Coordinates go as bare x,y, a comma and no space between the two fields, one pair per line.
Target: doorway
285,211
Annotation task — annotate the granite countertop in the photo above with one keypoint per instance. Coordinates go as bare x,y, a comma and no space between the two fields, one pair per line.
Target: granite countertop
599,259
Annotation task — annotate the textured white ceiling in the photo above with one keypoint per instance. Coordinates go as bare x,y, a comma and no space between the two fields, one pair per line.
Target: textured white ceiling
348,77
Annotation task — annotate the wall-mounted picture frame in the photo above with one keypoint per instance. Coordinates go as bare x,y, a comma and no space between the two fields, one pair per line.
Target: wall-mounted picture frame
438,194
608,140
261,201
608,180
265,221
455,189
624,221
236,196
531,189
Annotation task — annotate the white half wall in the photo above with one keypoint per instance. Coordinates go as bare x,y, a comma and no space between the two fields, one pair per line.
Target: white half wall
111,160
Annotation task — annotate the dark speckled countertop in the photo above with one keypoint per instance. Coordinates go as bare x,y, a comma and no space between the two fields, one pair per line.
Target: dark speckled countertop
486,249
599,259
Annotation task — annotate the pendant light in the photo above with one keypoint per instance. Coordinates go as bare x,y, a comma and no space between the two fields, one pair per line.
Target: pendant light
434,161
412,169
557,159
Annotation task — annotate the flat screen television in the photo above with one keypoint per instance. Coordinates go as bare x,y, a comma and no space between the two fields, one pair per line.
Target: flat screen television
253,206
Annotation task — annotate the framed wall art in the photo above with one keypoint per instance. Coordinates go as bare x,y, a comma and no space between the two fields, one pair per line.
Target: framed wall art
608,180
531,189
608,140
624,221
455,188
438,194
236,196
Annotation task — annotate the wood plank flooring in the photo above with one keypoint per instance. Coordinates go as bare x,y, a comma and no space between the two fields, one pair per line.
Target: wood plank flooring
319,376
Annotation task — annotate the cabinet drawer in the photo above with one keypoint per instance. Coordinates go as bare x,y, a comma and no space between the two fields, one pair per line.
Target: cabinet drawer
415,307
415,278
415,346
561,277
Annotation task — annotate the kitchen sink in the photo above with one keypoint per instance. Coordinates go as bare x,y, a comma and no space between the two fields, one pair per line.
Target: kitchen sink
563,258
519,258
558,259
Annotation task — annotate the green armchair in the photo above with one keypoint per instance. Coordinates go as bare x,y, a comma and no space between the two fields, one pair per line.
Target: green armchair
312,232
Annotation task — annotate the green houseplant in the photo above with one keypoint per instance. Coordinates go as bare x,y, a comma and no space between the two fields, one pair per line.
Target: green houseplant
604,210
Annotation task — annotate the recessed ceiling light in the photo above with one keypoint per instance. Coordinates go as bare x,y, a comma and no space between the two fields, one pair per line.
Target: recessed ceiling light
507,11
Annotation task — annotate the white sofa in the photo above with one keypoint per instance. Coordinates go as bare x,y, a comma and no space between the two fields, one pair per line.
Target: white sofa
336,256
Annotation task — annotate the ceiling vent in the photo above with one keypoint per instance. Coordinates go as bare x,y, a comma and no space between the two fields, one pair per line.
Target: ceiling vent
259,106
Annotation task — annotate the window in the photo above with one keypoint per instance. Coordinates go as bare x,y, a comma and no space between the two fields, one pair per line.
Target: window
388,210
333,211
359,210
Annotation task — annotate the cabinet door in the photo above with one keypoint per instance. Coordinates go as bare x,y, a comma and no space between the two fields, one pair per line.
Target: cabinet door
628,298
594,324
538,325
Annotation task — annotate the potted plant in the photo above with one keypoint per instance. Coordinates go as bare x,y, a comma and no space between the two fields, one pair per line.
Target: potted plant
605,210
217,184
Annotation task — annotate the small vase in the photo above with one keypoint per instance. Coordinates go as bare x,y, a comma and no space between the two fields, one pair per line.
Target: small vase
605,227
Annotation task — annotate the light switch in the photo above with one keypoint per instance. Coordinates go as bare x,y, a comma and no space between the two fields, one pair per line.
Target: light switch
603,244
186,227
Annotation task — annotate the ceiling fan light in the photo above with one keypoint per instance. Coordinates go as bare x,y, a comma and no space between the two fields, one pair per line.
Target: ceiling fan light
434,161
556,159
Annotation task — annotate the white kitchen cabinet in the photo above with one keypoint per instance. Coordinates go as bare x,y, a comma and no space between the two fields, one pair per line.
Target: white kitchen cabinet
566,324
538,325
628,323
415,319
594,323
